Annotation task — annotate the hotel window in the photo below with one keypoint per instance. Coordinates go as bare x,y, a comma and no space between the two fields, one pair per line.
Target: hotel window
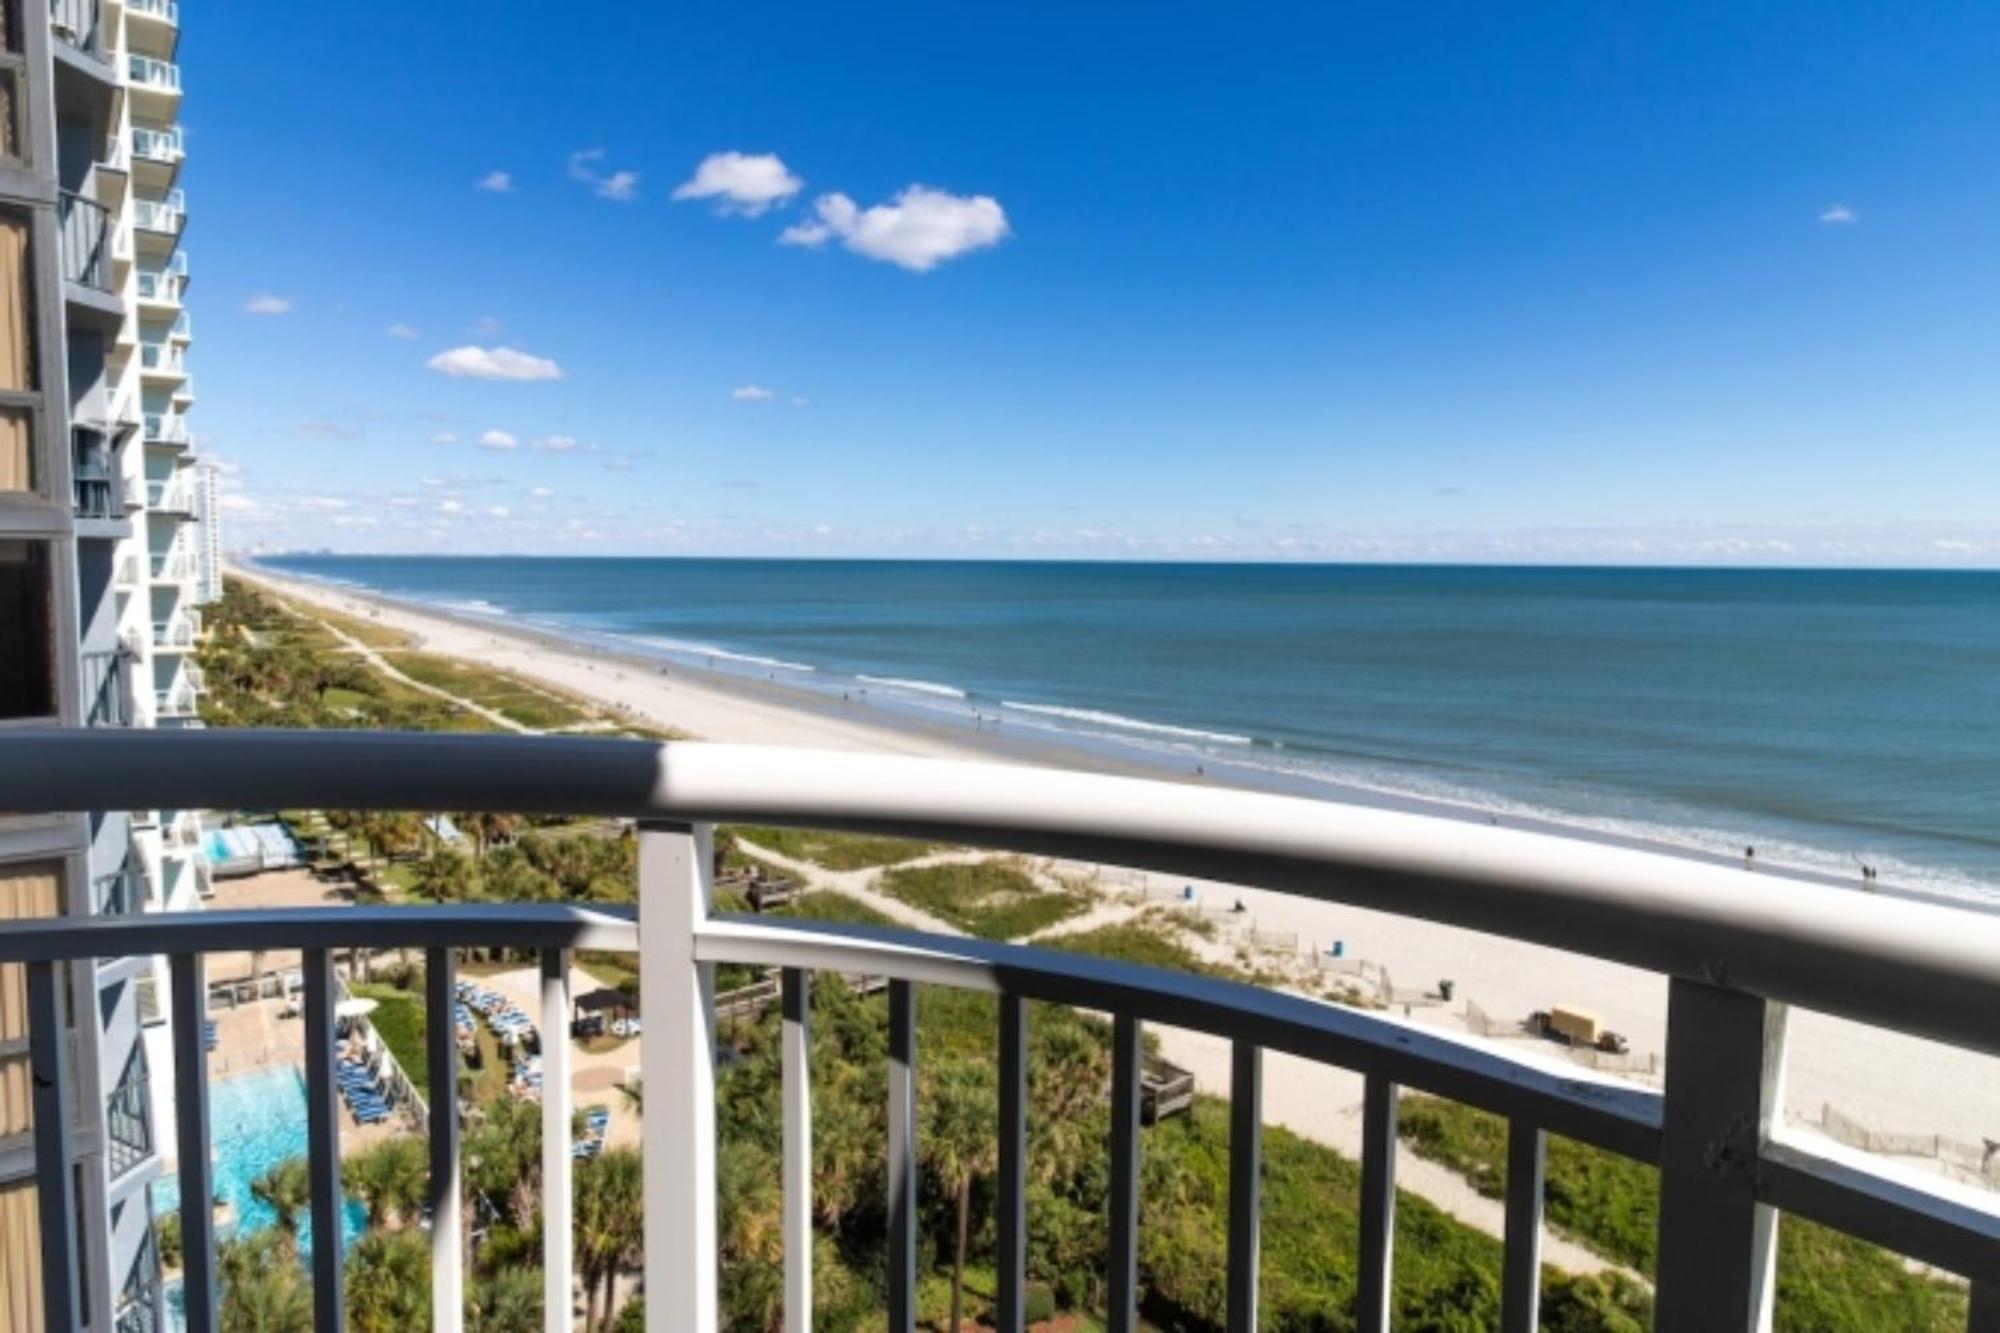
27,631
25,891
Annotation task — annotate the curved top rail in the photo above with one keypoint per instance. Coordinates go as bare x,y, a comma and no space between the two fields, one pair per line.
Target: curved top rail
1916,967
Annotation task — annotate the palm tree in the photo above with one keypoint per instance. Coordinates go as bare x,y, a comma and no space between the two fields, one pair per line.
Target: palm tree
487,828
389,1282
286,1189
262,1291
390,1178
609,1225
960,1145
445,875
510,1301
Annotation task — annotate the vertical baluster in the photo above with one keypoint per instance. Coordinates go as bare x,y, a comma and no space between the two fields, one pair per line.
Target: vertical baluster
1123,1215
447,1241
191,1127
1717,1244
558,1237
1246,1166
902,1158
1521,1269
1985,1314
677,1052
55,1175
796,1055
323,1142
1378,1205
1012,1222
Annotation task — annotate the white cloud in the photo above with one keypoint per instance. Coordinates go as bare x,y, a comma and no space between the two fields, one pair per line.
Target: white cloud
264,303
403,331
919,229
445,437
1839,213
746,183
542,492
497,511
493,363
238,503
800,400
323,503
403,502
497,439
495,182
752,393
437,481
554,444
450,506
618,185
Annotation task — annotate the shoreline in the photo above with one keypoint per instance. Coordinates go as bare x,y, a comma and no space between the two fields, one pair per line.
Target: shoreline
864,724
1884,1080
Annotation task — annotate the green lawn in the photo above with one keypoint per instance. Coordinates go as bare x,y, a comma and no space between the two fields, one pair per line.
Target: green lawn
829,905
515,699
399,1019
995,900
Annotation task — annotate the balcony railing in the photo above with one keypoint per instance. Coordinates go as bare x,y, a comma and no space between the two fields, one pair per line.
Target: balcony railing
176,633
154,215
169,428
160,289
107,689
179,701
173,566
148,72
167,11
128,575
1737,951
163,146
86,241
162,358
170,497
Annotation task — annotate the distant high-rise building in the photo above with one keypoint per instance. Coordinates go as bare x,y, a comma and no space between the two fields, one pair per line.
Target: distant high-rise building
208,531
100,559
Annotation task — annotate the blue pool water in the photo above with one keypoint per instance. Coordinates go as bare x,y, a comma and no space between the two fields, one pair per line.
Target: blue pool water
258,1120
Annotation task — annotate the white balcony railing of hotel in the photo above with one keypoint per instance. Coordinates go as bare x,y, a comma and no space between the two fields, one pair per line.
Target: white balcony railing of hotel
149,72
1736,950
174,565
178,632
163,146
167,11
167,358
177,701
160,288
167,428
128,575
170,497
159,215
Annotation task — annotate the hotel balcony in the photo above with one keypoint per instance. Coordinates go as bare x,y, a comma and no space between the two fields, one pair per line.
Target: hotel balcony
130,575
157,223
155,86
176,634
79,26
183,329
177,702
174,498
156,156
1734,952
107,688
153,26
167,429
173,566
162,363
161,291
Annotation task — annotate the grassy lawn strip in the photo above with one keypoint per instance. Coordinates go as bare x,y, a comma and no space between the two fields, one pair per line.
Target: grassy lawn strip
399,1019
828,905
832,851
991,899
511,697
1826,1280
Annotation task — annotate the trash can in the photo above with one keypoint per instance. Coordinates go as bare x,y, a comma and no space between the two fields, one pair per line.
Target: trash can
1445,988
1339,948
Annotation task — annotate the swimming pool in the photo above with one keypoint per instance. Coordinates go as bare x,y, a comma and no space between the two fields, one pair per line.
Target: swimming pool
257,1121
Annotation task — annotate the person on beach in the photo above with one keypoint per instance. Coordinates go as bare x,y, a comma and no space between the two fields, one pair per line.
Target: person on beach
1749,858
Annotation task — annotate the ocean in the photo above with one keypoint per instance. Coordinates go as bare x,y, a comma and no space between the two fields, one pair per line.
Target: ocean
1825,717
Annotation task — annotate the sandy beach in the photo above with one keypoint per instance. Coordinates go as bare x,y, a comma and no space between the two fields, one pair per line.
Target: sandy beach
1885,1081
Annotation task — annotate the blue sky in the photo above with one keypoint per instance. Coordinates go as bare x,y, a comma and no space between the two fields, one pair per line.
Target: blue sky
1564,281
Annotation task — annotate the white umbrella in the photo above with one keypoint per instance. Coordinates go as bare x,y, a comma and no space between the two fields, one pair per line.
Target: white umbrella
354,1008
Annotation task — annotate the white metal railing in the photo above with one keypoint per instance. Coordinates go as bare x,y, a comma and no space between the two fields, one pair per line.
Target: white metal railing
152,215
178,701
152,72
173,566
127,574
167,11
163,146
175,632
170,497
1737,951
166,428
183,326
166,357
160,289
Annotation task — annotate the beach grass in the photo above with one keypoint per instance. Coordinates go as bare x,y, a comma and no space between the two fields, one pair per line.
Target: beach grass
514,699
1827,1280
994,900
833,905
829,851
